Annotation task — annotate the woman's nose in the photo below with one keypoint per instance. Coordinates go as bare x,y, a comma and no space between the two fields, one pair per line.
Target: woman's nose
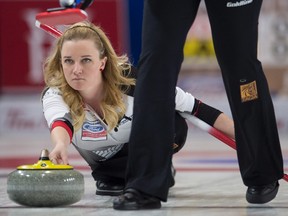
77,68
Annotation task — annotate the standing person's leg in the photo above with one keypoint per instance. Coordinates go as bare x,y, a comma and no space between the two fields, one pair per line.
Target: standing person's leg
235,35
164,31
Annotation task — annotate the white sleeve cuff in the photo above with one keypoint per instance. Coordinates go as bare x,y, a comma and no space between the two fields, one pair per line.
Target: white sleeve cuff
184,101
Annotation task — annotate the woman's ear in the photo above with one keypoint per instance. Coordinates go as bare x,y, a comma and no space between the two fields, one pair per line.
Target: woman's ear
103,63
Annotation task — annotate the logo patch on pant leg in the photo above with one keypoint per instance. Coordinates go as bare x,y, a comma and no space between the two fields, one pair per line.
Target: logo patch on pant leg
248,91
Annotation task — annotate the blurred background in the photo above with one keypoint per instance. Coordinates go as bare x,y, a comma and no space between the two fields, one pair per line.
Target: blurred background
23,47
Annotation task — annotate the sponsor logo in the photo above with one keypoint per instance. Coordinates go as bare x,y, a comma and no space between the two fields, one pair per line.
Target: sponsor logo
248,91
239,3
93,128
93,131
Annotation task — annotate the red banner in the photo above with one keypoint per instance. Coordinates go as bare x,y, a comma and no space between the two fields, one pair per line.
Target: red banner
24,47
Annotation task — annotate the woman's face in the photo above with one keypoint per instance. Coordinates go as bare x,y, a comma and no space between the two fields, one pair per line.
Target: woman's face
81,65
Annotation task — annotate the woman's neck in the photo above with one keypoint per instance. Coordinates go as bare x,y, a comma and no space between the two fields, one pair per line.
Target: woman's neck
93,98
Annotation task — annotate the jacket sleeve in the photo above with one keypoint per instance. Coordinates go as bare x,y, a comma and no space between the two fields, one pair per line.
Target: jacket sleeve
185,102
54,107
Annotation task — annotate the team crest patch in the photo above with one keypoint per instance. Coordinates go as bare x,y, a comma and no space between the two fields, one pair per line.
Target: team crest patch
248,91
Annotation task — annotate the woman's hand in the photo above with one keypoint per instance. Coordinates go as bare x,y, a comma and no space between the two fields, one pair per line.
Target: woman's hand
59,155
61,140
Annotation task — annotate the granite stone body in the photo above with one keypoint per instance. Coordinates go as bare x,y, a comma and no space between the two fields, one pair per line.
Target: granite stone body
45,185
45,188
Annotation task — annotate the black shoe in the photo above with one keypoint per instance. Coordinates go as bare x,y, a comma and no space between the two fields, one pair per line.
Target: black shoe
135,200
262,194
108,189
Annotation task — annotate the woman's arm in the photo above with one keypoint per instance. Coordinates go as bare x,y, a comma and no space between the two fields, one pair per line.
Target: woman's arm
60,139
59,121
225,124
185,102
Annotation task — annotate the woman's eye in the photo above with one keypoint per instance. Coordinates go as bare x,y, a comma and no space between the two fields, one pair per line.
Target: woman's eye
86,60
68,61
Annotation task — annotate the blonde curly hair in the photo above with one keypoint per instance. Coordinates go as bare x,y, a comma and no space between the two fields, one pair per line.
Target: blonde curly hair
115,77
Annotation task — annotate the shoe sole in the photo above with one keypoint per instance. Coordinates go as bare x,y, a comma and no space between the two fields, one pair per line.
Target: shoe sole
256,199
109,193
134,206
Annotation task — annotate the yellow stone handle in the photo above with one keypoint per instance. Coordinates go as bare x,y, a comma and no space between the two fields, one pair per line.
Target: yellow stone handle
44,163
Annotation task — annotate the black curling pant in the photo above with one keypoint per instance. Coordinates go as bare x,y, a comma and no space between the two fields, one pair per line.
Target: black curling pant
234,32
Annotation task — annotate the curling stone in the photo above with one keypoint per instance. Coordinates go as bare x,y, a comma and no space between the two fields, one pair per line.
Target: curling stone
45,184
